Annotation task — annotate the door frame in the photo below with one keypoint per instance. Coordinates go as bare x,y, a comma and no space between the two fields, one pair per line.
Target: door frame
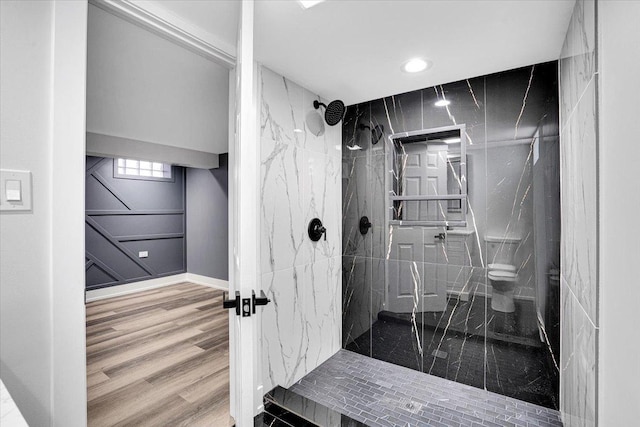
68,141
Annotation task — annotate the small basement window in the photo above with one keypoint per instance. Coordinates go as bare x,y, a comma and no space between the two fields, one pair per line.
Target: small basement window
142,169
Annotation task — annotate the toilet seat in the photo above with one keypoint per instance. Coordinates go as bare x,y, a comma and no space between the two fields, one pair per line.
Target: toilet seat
502,267
505,276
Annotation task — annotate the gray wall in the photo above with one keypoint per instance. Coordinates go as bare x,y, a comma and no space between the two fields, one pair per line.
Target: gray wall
125,216
143,87
207,221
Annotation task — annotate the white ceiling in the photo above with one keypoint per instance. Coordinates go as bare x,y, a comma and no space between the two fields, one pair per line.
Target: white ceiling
353,49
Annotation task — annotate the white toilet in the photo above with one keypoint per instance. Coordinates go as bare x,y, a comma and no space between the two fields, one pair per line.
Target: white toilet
502,273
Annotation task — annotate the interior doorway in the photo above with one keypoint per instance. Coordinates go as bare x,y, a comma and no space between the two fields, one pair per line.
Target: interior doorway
156,228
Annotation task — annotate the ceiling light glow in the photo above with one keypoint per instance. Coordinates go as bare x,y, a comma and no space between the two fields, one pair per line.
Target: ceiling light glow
442,103
415,65
306,4
354,147
452,140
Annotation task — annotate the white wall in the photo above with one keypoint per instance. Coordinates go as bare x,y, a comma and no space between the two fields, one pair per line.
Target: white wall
42,264
619,365
143,87
25,310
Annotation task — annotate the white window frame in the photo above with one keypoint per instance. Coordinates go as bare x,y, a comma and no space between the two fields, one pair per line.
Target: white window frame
145,170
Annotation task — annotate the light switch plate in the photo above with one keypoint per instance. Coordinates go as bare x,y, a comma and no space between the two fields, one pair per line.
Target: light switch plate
15,190
143,254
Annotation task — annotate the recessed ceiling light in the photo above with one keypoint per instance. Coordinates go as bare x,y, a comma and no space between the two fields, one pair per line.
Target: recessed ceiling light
442,103
415,65
452,140
306,4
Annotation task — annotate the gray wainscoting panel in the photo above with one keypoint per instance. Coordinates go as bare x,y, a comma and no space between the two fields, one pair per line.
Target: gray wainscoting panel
126,216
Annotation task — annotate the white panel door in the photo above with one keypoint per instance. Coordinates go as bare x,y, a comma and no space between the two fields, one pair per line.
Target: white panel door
415,281
425,174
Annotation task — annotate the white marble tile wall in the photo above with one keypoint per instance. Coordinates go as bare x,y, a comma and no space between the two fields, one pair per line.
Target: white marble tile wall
577,362
578,168
301,180
10,415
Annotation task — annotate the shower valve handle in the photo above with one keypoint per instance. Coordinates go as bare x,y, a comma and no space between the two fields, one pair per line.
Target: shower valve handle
316,230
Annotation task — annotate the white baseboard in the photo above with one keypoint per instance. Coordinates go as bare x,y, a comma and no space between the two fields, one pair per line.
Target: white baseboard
223,285
130,288
145,285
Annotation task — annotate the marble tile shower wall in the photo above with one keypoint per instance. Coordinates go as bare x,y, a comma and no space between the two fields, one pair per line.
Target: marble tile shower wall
502,113
579,257
300,175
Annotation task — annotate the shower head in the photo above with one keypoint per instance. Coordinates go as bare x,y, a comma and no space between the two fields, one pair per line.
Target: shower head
333,113
376,132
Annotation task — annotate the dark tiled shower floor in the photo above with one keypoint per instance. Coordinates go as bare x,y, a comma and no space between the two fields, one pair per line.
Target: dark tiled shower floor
519,327
513,370
379,394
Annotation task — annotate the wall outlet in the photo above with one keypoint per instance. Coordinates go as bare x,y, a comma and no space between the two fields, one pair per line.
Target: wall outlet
143,254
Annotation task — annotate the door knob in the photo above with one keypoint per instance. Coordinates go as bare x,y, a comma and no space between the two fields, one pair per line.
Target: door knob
231,303
261,300
440,236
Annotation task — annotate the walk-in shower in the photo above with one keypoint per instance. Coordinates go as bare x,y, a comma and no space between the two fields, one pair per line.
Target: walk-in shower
458,274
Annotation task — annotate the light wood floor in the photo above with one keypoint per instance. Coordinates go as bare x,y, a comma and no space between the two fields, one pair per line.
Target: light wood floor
159,358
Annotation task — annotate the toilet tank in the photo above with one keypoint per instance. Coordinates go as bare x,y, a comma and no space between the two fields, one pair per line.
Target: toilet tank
501,249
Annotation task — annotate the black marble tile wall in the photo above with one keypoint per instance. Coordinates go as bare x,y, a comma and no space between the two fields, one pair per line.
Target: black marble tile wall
511,125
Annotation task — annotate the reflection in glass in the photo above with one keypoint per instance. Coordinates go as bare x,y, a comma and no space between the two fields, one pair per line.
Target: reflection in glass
429,177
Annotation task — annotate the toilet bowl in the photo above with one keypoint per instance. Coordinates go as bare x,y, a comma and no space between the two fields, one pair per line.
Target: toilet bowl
502,274
503,284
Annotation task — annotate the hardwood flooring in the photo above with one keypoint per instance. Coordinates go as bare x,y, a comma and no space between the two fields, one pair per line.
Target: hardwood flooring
159,358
